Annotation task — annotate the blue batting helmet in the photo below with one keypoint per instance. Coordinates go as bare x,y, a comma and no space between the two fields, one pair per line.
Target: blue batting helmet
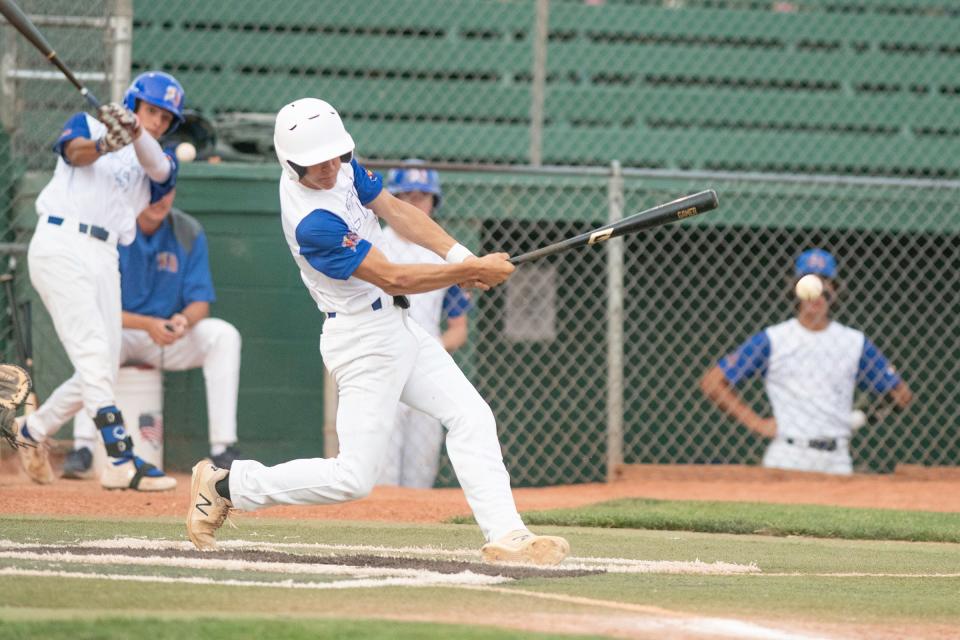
415,179
159,89
816,261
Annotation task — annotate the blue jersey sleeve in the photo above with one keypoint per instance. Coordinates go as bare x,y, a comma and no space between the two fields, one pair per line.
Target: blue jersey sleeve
752,357
75,127
329,245
367,183
197,282
160,189
874,372
456,302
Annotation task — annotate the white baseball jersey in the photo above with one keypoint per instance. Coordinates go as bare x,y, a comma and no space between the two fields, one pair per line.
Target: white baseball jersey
810,376
330,232
108,193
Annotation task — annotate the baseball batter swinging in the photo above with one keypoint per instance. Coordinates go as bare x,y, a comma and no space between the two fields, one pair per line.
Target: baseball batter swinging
109,169
329,207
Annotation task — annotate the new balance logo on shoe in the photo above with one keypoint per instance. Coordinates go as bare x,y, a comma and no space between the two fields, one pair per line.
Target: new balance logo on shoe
200,505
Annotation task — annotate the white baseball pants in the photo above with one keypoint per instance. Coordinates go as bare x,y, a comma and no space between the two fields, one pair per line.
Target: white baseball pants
377,359
78,279
213,344
799,457
413,456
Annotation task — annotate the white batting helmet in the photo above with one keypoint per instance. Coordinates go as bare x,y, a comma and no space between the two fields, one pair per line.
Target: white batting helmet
309,131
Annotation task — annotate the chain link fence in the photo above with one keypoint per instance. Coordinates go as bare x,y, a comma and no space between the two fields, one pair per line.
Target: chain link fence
759,100
576,382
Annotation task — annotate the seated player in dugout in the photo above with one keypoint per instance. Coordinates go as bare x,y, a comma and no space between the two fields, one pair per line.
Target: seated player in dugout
811,366
166,291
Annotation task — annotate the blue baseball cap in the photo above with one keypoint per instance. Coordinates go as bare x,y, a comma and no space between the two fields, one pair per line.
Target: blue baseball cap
816,261
415,179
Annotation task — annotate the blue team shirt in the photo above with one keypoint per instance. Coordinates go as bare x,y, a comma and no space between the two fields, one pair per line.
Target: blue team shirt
874,372
159,276
325,240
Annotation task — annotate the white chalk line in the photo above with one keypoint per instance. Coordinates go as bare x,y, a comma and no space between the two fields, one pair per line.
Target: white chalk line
610,565
220,564
658,619
436,580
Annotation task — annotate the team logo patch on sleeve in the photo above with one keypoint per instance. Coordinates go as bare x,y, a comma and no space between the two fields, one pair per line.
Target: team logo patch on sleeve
351,240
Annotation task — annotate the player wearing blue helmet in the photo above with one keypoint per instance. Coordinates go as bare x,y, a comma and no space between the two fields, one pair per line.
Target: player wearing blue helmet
109,168
160,90
413,456
811,367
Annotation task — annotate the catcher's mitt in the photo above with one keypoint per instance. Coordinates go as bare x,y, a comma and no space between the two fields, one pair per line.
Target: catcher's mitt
15,386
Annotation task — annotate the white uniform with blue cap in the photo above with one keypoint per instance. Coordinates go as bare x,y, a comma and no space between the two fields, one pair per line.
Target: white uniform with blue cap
810,378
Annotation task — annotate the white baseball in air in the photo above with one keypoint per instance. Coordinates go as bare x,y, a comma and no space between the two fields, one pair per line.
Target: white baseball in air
809,287
186,152
857,419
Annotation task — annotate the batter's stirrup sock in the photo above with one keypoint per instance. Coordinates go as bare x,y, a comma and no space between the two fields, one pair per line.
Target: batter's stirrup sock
223,487
115,438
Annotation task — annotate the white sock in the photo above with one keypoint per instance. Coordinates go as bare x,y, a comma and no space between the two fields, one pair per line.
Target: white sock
217,449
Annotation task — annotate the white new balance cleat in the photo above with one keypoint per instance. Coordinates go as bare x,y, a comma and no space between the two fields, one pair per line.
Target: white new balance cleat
207,510
34,455
134,473
524,547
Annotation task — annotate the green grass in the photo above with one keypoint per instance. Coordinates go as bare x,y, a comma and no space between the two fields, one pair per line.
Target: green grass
757,518
158,629
793,587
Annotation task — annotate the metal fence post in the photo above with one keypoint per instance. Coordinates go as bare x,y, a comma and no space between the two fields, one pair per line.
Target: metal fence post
8,84
120,40
538,86
615,199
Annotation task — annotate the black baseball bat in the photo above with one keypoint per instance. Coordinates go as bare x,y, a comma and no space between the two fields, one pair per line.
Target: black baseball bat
22,23
680,209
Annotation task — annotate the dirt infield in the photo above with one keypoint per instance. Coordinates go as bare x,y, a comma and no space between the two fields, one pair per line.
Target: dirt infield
909,488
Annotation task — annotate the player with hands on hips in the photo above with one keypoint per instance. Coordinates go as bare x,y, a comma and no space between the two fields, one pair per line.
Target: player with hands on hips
330,207
166,292
811,366
413,457
107,172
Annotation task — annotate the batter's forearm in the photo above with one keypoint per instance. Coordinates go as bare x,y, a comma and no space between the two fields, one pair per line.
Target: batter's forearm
81,152
418,278
413,224
155,163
